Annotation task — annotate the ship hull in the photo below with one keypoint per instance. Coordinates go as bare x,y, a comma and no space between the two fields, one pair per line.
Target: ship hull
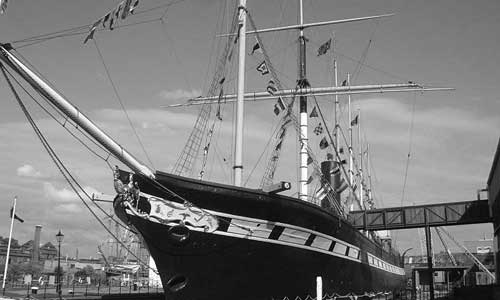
265,246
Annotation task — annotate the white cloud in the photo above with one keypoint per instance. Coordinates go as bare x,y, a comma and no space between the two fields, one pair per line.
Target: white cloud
65,195
179,94
28,171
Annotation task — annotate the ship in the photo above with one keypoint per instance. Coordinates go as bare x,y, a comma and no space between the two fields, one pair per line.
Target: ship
218,241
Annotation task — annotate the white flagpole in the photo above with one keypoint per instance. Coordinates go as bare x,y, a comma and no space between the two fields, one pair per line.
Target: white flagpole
238,140
8,245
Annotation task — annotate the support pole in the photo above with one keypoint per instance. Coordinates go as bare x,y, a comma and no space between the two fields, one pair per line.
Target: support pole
319,288
8,245
349,120
429,261
360,171
303,193
238,141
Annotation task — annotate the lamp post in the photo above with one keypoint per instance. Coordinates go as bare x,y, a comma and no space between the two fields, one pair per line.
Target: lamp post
59,238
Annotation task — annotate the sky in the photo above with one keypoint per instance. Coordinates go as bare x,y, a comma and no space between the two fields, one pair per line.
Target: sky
451,136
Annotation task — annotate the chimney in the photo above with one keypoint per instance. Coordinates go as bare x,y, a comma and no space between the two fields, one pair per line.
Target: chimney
35,255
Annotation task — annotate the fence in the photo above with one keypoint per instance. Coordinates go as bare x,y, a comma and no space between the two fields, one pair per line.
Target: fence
79,291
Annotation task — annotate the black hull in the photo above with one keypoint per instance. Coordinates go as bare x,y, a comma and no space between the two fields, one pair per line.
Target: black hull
221,265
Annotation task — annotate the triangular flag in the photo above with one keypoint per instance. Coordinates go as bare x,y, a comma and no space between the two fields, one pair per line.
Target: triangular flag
92,31
15,216
117,11
318,129
276,109
133,7
3,6
111,23
354,122
323,144
309,180
281,103
271,88
106,18
278,147
324,47
282,133
126,8
222,80
256,48
344,83
314,113
309,160
262,68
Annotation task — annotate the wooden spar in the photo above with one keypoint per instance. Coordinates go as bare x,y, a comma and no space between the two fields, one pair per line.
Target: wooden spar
315,91
72,112
304,26
260,96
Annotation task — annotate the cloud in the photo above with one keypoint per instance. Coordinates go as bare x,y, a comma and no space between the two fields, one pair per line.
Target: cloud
65,195
28,171
179,94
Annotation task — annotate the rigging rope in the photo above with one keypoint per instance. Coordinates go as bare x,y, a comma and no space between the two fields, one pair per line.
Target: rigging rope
117,95
410,142
78,189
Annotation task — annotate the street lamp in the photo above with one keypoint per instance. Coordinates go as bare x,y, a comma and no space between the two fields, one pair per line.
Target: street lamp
59,238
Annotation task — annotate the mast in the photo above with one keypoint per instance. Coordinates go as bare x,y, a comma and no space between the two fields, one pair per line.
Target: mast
72,112
302,82
351,205
336,107
368,167
238,139
360,172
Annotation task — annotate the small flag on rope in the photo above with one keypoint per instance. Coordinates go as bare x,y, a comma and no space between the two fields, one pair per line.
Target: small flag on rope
111,23
106,18
344,83
256,48
318,129
276,109
3,6
278,147
341,150
126,8
279,106
343,161
117,11
262,68
90,36
15,215
309,180
325,47
221,81
271,87
218,114
314,113
309,160
134,6
282,133
323,144
354,122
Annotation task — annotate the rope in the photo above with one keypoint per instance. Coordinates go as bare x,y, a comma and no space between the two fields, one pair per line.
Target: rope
121,102
60,165
410,143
